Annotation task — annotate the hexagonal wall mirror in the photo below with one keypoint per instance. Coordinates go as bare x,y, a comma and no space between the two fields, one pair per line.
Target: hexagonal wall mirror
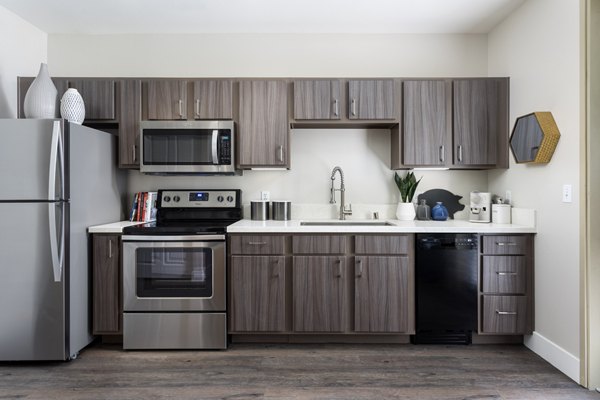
534,138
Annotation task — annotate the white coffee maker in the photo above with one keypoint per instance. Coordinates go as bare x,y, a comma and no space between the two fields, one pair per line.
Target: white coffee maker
481,207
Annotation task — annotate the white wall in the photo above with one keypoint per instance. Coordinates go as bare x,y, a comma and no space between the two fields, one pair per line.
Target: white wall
363,154
538,46
22,48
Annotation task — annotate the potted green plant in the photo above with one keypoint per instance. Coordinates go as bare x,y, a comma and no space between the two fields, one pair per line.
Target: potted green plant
407,187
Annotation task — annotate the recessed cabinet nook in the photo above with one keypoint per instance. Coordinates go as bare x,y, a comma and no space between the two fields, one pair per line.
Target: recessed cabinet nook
436,123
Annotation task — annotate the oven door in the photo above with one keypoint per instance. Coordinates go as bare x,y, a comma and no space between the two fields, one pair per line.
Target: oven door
174,273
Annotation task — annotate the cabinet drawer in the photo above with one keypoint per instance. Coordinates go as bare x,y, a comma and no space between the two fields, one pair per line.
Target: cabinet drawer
380,244
257,244
505,244
504,274
504,314
319,244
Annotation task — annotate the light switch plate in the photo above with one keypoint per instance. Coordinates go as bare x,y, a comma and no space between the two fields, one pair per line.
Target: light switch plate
265,195
508,197
567,194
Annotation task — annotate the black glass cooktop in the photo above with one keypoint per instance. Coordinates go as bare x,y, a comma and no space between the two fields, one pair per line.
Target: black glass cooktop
179,228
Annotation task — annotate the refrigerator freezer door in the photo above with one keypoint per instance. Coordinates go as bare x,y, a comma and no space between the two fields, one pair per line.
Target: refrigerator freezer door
25,158
32,304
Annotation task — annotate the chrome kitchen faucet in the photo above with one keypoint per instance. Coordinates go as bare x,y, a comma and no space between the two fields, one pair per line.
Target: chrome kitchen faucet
342,190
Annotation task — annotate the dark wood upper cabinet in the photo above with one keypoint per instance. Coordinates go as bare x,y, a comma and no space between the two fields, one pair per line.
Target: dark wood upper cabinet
371,99
480,120
319,293
427,122
263,127
317,99
213,99
166,99
106,293
381,298
99,98
257,293
129,122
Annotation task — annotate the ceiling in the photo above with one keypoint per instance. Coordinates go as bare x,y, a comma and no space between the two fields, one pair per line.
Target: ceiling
262,16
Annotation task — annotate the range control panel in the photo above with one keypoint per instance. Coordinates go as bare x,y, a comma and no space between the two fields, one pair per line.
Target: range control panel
198,198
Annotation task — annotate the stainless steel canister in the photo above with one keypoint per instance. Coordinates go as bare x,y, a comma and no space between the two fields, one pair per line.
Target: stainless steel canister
259,210
282,210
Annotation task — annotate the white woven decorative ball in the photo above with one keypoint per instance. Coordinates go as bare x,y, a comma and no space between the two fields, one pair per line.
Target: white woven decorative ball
71,106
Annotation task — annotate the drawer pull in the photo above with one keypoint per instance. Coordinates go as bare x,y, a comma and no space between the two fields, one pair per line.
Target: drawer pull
506,244
506,273
257,243
506,312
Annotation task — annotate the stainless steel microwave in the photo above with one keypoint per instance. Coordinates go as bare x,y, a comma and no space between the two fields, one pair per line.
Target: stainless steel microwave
187,147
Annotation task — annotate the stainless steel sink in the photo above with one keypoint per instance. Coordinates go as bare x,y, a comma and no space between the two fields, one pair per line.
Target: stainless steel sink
345,223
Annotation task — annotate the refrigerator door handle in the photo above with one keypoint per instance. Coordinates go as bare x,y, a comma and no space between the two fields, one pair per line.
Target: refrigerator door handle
56,161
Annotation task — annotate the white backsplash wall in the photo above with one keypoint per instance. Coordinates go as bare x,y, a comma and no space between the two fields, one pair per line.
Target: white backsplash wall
363,155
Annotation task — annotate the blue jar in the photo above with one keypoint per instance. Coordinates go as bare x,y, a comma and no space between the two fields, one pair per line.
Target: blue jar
439,212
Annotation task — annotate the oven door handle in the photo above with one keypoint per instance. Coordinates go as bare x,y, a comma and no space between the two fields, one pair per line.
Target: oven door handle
159,238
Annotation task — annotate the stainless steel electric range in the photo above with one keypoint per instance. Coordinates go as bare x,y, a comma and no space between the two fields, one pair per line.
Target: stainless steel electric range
174,287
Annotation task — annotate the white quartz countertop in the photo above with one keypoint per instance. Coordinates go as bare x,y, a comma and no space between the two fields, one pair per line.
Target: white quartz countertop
362,226
114,227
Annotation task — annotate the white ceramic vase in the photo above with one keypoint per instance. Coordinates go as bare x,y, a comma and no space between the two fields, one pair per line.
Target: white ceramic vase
40,99
71,106
405,211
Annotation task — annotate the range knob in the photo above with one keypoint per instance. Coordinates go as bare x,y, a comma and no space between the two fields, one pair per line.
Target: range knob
220,199
230,198
166,199
176,199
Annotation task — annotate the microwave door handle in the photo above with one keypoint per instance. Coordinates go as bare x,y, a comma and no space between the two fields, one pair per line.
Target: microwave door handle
215,138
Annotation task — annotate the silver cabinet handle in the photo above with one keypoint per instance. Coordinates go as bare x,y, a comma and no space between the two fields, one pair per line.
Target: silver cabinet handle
276,269
109,248
506,273
180,108
460,155
257,243
505,244
353,107
360,269
280,153
198,108
133,153
442,153
506,312
335,107
339,271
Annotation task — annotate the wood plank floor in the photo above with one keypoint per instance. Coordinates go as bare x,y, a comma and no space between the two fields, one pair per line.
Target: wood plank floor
253,371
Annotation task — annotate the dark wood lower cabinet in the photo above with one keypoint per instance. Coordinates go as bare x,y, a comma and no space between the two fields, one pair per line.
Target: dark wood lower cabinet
106,271
505,314
257,294
319,294
381,296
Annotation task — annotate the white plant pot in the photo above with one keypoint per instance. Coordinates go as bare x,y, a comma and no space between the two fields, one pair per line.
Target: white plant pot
405,211
40,99
71,106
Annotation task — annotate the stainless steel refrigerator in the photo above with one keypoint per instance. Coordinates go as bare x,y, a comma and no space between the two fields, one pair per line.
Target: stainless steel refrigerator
56,179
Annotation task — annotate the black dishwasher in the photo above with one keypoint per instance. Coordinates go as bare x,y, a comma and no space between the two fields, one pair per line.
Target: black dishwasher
446,288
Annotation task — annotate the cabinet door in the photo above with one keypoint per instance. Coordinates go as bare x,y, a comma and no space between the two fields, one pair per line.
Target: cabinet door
106,285
319,293
263,127
257,294
427,122
167,99
213,100
505,314
129,123
381,294
98,97
316,99
371,99
477,121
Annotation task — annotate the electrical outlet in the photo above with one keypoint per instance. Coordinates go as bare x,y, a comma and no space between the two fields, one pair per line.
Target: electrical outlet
567,194
265,195
508,197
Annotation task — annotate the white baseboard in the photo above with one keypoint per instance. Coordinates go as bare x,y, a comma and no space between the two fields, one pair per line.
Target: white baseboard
564,361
